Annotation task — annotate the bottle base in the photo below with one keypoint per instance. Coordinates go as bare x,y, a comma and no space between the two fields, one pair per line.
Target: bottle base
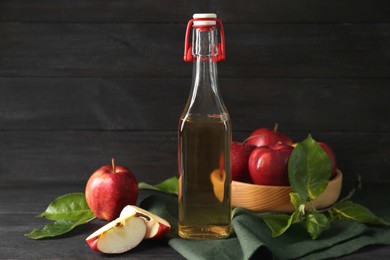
204,232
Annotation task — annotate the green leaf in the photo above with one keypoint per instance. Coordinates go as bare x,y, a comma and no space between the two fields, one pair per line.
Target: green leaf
72,206
68,211
169,186
315,223
309,169
297,201
57,228
279,223
352,211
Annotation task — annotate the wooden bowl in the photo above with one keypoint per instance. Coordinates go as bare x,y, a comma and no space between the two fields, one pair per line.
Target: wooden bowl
276,198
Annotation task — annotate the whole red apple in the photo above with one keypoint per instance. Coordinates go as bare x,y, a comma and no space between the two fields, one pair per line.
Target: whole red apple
268,165
332,157
268,137
109,190
239,160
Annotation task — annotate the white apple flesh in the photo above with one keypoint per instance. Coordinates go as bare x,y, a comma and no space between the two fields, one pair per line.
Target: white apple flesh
156,227
118,236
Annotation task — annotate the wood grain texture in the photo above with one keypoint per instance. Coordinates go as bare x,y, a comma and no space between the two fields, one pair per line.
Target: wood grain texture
72,156
133,50
277,198
84,81
21,202
252,11
299,105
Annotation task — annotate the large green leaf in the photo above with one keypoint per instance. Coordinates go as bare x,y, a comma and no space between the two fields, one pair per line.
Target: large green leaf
57,228
169,186
352,211
72,207
309,169
68,211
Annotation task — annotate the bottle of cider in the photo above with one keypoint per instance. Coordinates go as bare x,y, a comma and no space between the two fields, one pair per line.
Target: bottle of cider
204,138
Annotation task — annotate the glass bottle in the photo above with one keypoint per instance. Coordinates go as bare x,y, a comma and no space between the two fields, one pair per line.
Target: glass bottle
204,139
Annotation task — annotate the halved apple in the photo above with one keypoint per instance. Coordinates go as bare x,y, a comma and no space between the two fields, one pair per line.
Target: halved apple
118,236
156,227
218,178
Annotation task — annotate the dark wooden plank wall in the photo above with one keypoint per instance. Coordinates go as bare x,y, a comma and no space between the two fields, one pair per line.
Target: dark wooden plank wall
84,81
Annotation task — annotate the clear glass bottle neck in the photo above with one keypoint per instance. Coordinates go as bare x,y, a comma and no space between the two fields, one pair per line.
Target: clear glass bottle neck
205,42
205,98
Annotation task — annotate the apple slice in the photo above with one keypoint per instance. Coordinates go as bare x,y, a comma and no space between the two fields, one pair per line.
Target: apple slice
218,178
118,236
156,227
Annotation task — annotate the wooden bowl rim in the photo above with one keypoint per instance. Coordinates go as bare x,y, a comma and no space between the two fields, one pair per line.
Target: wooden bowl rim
276,198
271,187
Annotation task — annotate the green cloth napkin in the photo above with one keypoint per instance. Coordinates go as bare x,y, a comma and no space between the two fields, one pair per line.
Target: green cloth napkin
252,239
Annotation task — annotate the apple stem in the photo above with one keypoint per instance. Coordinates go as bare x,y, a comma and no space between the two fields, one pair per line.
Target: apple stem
113,165
276,127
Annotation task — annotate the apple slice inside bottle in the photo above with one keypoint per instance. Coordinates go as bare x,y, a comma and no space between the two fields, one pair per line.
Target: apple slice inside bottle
118,236
218,178
156,226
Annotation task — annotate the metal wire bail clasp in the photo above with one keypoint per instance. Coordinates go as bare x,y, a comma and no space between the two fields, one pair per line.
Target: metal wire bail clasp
188,57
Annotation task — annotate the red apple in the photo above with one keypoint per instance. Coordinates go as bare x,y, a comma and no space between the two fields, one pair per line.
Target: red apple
156,227
332,157
268,165
118,236
239,159
267,137
109,190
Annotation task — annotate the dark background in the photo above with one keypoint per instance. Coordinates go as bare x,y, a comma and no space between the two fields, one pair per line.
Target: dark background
84,81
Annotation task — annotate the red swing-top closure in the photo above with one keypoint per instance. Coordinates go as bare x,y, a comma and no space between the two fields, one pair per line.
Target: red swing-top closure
188,57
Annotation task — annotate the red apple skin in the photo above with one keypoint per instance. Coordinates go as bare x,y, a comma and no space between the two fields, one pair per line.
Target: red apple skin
267,137
93,243
268,165
161,233
108,192
239,160
332,157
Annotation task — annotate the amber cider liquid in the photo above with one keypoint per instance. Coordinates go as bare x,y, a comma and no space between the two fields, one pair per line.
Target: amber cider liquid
204,177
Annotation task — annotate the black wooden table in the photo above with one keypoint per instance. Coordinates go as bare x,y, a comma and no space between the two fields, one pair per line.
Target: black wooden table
20,202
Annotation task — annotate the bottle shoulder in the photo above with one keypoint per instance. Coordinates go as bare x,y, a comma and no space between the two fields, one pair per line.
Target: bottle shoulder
223,118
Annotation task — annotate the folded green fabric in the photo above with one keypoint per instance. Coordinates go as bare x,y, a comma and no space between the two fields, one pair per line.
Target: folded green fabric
252,239
295,243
